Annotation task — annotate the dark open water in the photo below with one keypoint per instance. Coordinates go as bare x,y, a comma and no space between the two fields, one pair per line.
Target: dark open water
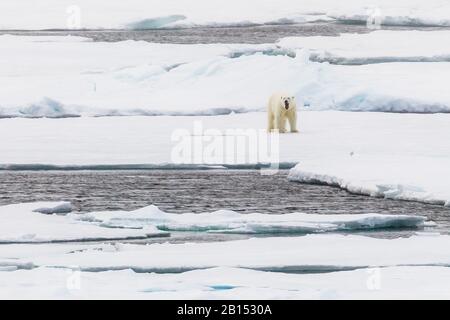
182,191
247,34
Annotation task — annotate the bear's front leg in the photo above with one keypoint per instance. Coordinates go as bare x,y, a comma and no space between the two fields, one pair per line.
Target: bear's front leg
293,122
276,123
282,124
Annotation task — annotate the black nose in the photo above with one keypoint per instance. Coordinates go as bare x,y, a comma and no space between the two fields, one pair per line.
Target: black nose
286,104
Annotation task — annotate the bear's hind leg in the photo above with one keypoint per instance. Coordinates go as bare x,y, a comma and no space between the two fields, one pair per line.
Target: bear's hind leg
270,125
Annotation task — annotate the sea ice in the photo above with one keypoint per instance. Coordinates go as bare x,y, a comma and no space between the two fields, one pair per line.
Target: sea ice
254,223
151,14
22,224
227,283
171,79
310,253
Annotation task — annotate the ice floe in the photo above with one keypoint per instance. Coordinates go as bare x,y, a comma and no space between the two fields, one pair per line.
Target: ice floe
375,47
228,283
51,222
220,79
141,14
22,224
389,177
19,255
310,253
255,223
399,13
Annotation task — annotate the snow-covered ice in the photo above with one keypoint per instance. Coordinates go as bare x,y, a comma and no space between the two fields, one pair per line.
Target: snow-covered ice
227,283
310,253
19,255
145,14
64,77
22,224
42,222
398,177
354,267
399,12
141,14
254,223
375,47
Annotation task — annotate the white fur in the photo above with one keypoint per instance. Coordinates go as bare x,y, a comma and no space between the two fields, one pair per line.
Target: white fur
278,115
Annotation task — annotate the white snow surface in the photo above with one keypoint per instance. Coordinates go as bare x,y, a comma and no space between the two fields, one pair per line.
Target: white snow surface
391,177
375,47
400,13
22,224
64,76
245,269
227,283
148,14
254,223
320,252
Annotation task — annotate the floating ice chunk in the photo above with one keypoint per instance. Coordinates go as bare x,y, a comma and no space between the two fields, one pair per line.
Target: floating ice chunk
156,23
227,221
62,208
21,224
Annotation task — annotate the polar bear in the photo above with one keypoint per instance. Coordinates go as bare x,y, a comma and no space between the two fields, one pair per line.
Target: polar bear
281,107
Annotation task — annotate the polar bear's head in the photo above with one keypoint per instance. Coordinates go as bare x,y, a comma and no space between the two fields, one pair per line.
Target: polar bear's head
287,102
